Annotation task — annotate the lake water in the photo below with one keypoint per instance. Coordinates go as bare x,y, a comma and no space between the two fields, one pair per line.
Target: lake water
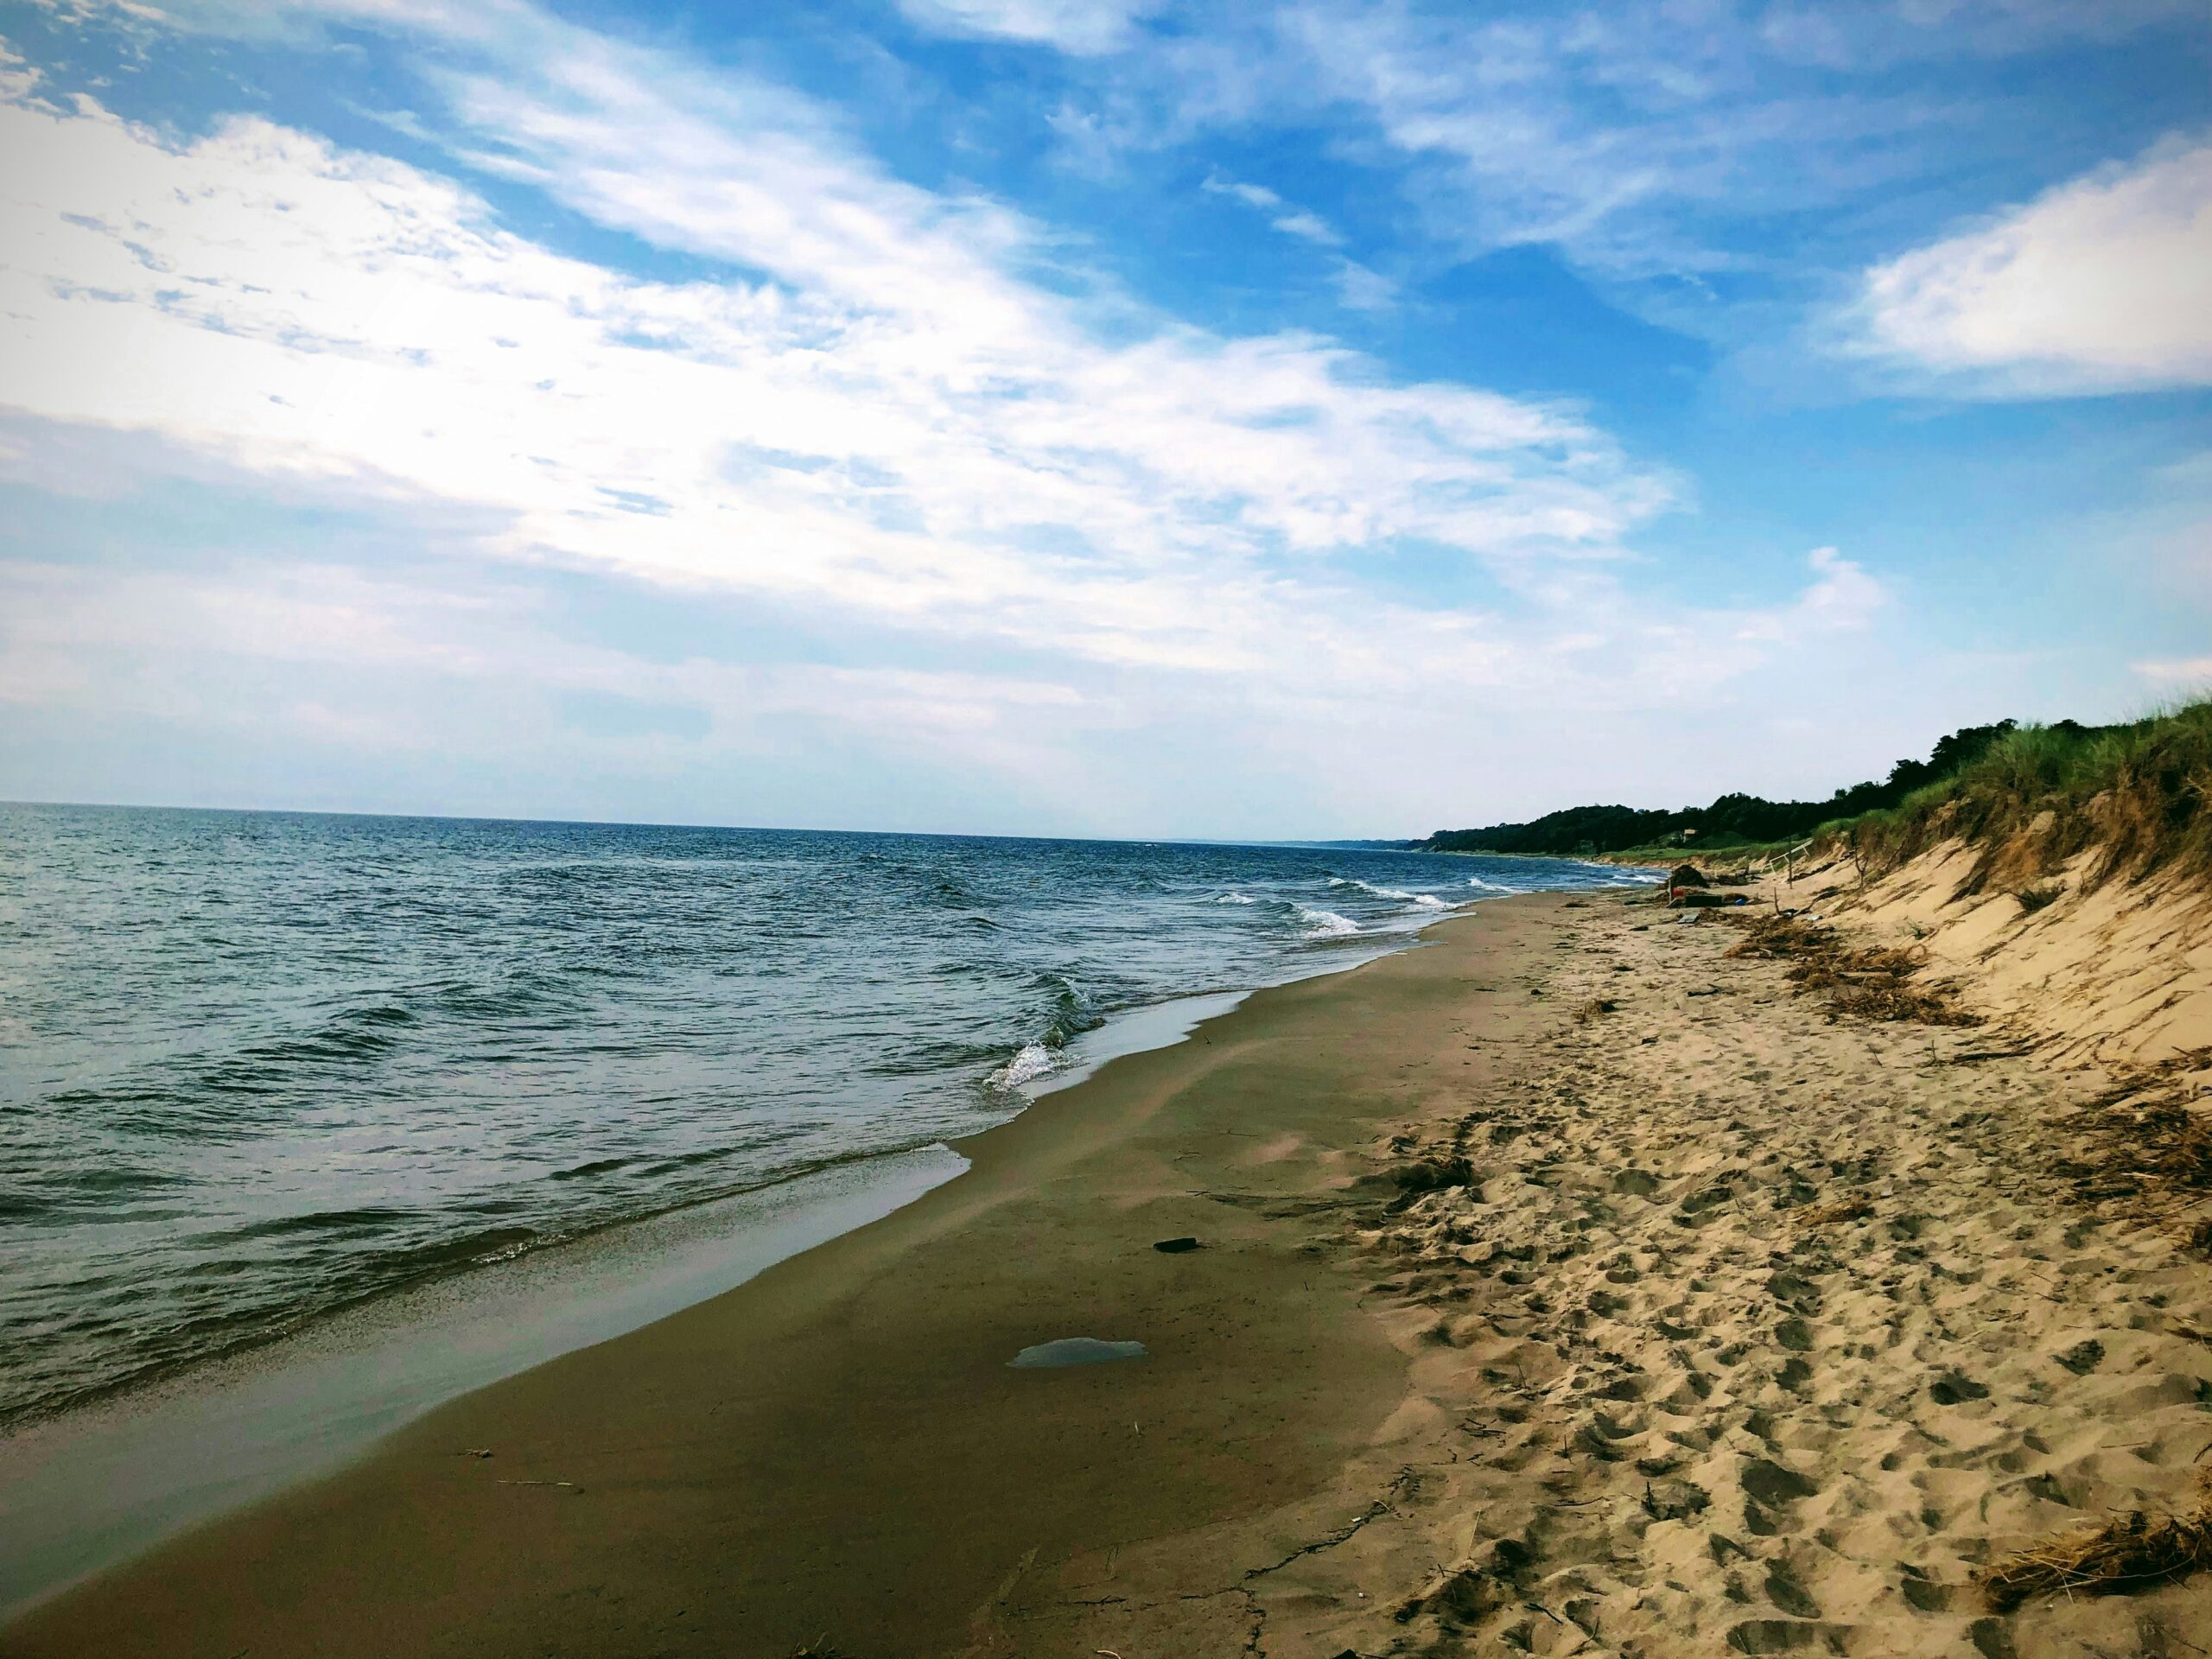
256,1067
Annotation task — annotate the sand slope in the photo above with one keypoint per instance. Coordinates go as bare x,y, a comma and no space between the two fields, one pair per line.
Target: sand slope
2121,974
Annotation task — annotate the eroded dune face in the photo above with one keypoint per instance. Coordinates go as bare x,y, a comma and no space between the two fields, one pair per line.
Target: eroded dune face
2115,971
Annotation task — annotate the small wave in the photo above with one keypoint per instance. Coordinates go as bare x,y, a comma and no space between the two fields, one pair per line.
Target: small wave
1396,895
597,1166
1234,898
374,1218
1033,1062
1490,887
1074,1013
1325,924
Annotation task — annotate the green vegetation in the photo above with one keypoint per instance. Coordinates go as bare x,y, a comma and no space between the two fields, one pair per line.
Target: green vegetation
2136,792
2030,797
1734,822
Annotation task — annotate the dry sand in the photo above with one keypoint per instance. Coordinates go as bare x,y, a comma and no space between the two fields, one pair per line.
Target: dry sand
1741,1328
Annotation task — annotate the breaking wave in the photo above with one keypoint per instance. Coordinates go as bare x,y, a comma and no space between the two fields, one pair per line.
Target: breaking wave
1325,924
1426,901
1033,1062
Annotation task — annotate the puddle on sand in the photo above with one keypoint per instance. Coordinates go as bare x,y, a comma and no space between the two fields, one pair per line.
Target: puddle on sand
1075,1350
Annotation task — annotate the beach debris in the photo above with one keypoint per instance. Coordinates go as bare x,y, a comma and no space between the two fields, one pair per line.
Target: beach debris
1175,1246
474,1452
1874,982
2147,1142
1688,875
1075,1350
570,1484
1850,1207
1700,899
1594,1008
1430,1175
2130,1552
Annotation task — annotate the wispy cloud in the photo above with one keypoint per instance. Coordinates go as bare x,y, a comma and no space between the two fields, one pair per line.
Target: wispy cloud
2191,672
1082,27
1291,221
2104,283
969,455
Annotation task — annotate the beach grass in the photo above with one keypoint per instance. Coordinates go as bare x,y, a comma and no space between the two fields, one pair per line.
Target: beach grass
2136,793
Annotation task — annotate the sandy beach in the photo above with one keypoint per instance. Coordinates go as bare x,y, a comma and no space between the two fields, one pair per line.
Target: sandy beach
1569,1285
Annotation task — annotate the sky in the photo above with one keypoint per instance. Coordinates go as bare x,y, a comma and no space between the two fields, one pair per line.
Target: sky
1115,417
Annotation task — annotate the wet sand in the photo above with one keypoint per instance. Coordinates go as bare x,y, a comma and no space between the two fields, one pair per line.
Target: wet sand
1568,1286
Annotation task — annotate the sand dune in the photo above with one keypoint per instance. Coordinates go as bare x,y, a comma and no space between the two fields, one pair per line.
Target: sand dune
2120,973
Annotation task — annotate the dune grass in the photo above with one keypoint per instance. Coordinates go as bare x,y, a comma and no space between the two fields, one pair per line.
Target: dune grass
2136,794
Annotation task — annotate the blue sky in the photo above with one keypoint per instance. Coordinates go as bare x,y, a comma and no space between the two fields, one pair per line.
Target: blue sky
1114,417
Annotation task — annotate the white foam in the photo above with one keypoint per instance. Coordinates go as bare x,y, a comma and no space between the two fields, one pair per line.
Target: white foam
1032,1063
1325,924
1234,898
1490,887
1426,901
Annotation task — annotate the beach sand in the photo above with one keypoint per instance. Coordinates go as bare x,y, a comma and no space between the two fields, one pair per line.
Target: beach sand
1740,1327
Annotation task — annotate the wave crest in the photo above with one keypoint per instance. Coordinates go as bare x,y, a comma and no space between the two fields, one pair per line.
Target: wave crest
1034,1061
1325,924
1397,895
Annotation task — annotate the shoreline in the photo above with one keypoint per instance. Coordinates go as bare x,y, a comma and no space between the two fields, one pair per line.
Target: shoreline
1569,1284
85,1489
953,1284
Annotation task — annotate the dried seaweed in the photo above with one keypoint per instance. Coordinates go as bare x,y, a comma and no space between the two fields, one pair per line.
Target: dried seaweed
1873,982
2147,1142
2130,1552
1850,1207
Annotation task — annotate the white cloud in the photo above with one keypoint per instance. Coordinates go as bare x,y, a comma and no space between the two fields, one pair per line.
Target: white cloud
2189,671
879,416
2102,283
1082,27
893,424
1291,221
1359,289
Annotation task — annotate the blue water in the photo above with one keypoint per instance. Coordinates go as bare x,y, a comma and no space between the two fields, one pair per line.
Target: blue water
256,1066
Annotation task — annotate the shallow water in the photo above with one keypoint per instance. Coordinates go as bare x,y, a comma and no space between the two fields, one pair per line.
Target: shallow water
255,1067
1074,1351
